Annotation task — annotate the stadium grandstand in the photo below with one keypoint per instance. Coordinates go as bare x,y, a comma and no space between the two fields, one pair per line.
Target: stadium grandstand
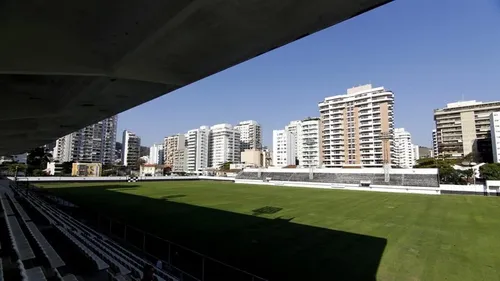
40,241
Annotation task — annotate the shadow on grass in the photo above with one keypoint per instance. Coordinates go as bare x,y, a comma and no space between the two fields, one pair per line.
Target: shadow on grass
276,249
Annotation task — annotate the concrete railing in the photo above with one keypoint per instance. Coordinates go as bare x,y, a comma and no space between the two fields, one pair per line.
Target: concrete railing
117,179
380,188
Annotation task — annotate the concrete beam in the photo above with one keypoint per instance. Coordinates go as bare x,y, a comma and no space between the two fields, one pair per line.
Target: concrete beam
74,63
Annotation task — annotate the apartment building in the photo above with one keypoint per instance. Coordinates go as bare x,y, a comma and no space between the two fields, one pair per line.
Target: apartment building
92,144
404,150
171,145
461,125
179,163
250,135
253,157
308,142
156,154
495,135
416,153
224,145
131,148
293,127
197,149
284,151
352,125
435,149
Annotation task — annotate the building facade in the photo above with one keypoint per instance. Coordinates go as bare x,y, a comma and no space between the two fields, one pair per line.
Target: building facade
352,125
224,145
308,142
156,154
460,125
495,136
131,148
284,151
253,157
435,150
404,150
250,135
92,144
293,127
180,161
171,145
197,149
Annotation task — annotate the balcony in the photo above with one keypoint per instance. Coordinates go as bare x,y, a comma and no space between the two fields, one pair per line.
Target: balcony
365,124
364,113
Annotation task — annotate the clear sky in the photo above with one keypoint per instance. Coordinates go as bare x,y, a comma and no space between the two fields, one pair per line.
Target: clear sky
428,52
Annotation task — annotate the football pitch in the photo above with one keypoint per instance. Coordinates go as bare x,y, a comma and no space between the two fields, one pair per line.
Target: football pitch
283,233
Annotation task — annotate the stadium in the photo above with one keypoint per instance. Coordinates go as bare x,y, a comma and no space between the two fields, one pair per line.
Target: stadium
260,225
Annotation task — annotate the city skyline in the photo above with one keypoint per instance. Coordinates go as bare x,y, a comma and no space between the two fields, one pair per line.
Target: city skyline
429,62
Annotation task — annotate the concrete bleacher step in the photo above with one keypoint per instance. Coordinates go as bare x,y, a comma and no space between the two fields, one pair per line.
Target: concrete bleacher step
49,252
20,243
35,274
95,245
7,209
70,277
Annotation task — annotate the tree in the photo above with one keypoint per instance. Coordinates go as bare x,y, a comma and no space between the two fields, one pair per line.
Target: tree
37,159
468,174
490,171
67,168
15,167
167,170
140,162
447,173
225,166
427,163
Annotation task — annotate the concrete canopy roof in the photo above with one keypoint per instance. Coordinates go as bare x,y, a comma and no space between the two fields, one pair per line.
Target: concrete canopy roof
68,64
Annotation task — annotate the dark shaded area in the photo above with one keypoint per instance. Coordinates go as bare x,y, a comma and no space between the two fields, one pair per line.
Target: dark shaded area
275,249
173,196
267,210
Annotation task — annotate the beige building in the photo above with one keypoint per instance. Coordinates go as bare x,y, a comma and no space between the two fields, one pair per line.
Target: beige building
250,135
170,145
352,124
461,124
179,163
252,157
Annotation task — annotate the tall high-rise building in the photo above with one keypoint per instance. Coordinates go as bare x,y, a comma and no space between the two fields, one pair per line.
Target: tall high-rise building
293,127
179,163
92,144
416,152
435,150
461,125
283,148
171,145
308,142
352,125
495,135
404,154
131,151
197,149
156,154
224,145
250,135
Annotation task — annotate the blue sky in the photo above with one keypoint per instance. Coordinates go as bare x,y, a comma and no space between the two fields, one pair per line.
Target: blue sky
428,52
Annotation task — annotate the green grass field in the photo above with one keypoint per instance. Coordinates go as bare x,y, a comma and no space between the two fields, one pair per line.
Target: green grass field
311,234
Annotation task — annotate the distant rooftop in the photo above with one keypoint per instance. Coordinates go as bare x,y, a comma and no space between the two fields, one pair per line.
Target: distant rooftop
462,103
358,89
